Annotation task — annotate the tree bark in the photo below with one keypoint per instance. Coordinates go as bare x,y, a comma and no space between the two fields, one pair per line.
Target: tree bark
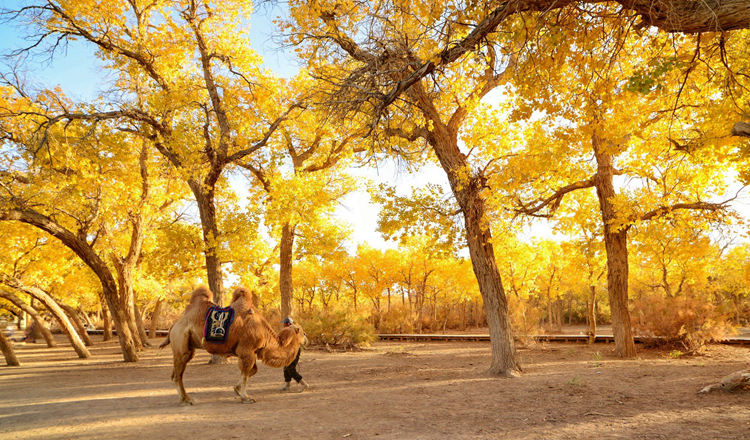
204,196
591,311
286,249
139,322
616,245
467,189
55,309
38,319
106,322
7,348
155,317
77,323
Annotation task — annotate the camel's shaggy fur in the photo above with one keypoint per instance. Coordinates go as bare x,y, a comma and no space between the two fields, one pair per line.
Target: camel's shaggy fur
250,338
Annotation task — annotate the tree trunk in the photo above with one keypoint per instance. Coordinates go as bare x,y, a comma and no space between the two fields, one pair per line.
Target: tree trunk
479,238
204,196
57,312
77,323
38,319
155,317
106,322
139,322
616,245
591,312
285,269
124,270
7,348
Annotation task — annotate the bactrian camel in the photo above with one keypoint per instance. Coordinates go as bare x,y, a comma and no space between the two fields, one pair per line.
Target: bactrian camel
250,338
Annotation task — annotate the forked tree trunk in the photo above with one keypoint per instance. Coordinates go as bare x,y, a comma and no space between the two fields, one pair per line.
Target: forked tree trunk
7,348
124,269
616,245
40,324
77,323
286,249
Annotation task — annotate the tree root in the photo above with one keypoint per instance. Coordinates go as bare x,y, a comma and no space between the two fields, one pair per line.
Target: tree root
729,382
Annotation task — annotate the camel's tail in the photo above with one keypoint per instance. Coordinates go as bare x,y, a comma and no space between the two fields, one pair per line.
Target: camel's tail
166,341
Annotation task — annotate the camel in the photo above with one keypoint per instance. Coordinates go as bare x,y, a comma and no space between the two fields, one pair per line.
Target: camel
250,338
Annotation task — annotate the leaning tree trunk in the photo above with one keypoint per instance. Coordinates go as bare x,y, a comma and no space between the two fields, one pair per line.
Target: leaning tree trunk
40,324
616,245
467,190
77,323
7,348
56,311
84,251
286,249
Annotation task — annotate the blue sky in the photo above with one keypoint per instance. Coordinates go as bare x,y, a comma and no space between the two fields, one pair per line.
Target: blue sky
77,71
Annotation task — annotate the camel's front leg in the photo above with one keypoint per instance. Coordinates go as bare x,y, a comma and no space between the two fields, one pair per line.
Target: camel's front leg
248,368
180,362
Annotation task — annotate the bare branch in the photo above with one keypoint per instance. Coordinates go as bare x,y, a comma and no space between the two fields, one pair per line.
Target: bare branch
552,201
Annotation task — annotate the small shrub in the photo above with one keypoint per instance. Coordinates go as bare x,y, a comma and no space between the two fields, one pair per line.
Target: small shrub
686,321
338,328
397,320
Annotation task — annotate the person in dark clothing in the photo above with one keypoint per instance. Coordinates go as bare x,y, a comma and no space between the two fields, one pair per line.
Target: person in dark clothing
290,371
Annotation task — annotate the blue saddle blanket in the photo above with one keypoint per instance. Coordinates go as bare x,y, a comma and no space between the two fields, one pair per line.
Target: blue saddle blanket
217,325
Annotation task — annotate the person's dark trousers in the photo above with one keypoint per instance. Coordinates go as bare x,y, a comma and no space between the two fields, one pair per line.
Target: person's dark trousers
290,371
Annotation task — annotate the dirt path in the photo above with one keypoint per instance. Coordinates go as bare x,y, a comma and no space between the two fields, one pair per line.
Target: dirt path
391,391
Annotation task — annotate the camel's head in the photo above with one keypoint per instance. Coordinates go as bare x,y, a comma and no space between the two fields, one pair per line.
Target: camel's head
293,332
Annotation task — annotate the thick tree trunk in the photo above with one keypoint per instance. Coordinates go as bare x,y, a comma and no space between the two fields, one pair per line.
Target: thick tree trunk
124,269
155,317
40,324
7,348
78,324
57,312
467,190
204,196
286,249
616,245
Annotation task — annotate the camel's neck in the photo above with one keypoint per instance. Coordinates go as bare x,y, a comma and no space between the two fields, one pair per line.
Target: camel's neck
276,355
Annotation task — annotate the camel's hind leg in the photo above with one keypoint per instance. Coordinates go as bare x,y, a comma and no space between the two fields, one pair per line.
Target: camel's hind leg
182,354
248,368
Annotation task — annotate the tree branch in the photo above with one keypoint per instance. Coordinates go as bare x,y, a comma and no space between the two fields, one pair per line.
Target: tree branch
552,201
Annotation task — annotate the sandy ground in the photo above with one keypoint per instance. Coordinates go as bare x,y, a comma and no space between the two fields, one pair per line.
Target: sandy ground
393,390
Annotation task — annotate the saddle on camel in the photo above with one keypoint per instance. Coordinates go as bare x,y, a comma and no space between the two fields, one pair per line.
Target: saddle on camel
237,330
